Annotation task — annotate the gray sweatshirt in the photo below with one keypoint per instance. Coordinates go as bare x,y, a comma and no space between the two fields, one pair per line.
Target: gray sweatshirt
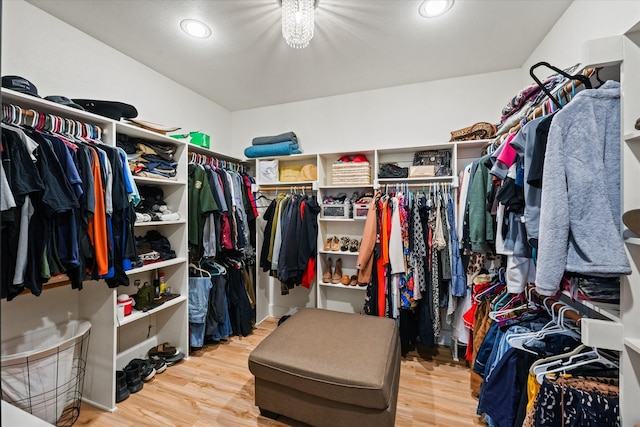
580,207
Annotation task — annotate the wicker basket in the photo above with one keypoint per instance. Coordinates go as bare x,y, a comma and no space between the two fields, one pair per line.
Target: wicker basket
351,173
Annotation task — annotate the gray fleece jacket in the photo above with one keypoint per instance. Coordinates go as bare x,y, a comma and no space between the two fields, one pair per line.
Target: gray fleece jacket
580,207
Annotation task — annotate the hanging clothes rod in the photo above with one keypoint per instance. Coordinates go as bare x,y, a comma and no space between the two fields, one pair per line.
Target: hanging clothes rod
203,159
550,303
16,115
284,188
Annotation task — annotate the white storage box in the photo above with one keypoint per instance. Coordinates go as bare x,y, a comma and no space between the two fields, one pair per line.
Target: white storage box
335,210
360,210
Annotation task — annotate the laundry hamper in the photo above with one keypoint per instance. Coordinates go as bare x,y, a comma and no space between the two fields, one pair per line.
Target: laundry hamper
43,371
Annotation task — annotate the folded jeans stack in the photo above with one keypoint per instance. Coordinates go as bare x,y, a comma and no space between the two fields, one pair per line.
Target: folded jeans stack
278,145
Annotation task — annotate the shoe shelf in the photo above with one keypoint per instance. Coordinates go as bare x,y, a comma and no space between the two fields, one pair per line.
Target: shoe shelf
341,219
341,253
137,315
340,286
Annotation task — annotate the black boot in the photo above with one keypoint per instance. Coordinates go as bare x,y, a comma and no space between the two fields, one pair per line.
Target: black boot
122,390
134,382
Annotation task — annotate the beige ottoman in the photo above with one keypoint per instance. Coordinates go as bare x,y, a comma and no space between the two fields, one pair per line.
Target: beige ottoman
327,368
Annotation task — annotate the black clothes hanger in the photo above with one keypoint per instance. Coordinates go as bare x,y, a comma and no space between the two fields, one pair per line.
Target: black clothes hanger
585,80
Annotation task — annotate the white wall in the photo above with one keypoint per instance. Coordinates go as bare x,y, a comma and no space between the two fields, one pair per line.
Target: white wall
61,60
583,20
409,115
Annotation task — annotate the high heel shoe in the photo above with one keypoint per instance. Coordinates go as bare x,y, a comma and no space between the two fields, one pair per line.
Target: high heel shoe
337,272
326,277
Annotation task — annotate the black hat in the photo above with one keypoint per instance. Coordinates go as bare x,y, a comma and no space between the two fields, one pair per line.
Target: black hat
20,84
112,109
63,100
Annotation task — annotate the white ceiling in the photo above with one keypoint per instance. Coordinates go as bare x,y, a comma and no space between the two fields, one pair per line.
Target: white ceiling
358,44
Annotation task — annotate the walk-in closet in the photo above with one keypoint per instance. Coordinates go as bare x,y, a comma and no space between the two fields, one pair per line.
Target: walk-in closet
327,213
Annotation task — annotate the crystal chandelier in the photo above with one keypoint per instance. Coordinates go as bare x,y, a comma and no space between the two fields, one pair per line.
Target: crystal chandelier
297,22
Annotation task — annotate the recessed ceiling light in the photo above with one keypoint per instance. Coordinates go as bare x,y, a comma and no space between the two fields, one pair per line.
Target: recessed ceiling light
195,28
433,8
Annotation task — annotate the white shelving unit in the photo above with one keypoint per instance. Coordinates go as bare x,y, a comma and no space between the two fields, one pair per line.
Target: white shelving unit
113,343
338,296
630,292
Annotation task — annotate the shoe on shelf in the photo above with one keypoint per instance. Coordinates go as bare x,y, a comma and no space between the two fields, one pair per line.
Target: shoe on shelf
122,390
354,245
134,382
326,277
327,244
353,280
344,244
345,279
335,244
337,273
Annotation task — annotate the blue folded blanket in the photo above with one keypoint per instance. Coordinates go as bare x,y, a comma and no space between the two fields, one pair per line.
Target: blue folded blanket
278,149
285,137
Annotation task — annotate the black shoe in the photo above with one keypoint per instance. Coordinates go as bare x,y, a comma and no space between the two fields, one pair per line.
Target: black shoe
146,369
160,366
134,382
122,390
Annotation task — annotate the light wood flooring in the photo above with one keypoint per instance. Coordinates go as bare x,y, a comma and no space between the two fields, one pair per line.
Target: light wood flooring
215,388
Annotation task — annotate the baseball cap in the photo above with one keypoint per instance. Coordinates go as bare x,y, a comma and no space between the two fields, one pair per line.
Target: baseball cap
20,84
63,100
112,109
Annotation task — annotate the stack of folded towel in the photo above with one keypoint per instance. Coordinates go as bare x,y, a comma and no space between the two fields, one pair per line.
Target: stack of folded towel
279,145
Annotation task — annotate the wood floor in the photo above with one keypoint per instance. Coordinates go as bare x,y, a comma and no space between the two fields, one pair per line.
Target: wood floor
215,388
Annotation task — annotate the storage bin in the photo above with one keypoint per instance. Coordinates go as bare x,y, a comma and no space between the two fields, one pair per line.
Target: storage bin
43,371
351,173
360,210
335,210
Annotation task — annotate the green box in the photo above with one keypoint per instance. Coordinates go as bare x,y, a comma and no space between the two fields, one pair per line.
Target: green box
196,138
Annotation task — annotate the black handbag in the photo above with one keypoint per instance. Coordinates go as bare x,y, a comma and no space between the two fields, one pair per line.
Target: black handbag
392,170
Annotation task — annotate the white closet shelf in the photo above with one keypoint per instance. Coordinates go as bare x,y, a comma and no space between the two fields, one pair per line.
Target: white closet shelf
209,152
632,136
339,187
154,223
341,219
341,286
156,265
633,344
339,252
416,180
608,310
157,181
137,315
286,185
138,132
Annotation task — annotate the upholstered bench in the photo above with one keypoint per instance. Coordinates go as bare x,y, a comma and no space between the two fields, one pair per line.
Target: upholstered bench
327,368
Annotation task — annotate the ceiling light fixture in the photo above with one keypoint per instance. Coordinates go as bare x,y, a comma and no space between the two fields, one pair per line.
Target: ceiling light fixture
195,28
298,22
433,8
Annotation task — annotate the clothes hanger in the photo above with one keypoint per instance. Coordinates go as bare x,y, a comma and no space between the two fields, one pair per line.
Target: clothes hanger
575,361
585,80
203,273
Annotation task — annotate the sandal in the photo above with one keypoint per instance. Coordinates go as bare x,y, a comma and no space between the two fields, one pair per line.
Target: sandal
354,245
162,351
344,246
